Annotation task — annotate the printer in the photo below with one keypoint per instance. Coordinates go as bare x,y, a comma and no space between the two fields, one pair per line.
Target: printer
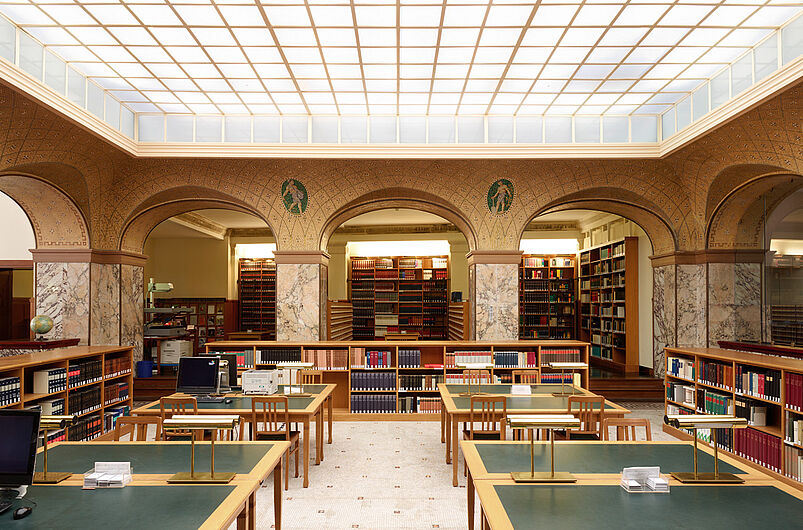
260,382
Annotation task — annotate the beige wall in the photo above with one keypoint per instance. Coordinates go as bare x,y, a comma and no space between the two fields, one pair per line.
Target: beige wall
22,283
197,267
16,237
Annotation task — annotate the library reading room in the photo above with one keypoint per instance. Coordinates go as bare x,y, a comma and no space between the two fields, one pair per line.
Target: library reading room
401,264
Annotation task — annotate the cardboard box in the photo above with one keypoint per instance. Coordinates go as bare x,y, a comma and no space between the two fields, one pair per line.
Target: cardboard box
172,350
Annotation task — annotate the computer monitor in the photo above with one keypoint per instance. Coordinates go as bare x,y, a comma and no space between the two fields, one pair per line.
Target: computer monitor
198,375
19,431
232,364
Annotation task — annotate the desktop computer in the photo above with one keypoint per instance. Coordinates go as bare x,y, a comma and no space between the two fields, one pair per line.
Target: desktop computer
198,376
228,370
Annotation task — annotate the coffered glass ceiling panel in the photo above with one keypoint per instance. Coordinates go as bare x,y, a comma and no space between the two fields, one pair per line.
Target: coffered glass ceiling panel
409,57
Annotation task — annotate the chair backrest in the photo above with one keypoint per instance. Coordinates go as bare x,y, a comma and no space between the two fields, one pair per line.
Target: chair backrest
626,428
137,426
170,405
490,413
309,377
476,376
527,376
590,410
273,413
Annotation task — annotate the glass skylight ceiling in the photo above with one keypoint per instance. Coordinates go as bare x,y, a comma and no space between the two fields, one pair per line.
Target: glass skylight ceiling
407,58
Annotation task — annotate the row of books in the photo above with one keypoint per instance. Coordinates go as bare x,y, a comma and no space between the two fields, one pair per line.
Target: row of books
516,359
563,355
758,382
364,358
758,447
49,381
794,429
468,357
680,393
327,359
117,366
458,379
710,402
85,372
681,367
373,403
420,405
115,393
409,358
556,378
110,416
84,400
754,412
373,381
87,428
794,391
10,391
717,374
56,436
793,463
419,382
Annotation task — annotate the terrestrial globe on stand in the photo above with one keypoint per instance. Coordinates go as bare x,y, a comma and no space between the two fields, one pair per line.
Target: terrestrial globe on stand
41,324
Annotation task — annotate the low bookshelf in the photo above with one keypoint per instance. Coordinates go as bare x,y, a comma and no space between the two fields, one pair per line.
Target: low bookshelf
401,377
92,382
765,389
547,296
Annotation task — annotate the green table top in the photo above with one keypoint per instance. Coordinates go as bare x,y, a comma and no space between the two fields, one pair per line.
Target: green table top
174,507
583,507
244,402
167,458
526,403
597,457
540,388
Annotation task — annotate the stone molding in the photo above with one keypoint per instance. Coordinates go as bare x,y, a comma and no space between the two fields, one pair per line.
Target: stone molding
313,257
709,256
106,257
497,257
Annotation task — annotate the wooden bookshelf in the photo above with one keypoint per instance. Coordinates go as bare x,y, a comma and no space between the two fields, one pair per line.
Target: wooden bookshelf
114,376
208,319
609,311
338,367
720,381
399,294
257,293
786,324
547,296
458,321
340,317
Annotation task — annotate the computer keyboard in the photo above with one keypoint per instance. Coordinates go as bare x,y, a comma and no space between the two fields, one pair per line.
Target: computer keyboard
4,506
209,399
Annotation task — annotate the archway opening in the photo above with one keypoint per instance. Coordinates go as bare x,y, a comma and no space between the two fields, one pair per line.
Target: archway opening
401,270
16,270
586,275
220,264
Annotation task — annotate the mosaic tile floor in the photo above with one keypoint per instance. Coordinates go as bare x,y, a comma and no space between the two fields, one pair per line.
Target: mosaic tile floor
388,475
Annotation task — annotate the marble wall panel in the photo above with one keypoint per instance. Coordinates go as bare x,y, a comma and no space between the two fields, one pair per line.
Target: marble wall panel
691,305
734,302
62,293
104,304
324,298
131,308
496,301
298,301
663,313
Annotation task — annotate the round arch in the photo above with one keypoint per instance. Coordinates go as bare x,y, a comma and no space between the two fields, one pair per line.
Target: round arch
57,220
398,198
174,202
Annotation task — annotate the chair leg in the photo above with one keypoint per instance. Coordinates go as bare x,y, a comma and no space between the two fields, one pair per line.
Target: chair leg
297,451
286,469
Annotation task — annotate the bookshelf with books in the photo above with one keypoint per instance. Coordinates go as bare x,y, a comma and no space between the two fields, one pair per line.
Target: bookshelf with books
398,294
767,390
91,382
609,312
547,296
786,324
208,319
257,294
398,379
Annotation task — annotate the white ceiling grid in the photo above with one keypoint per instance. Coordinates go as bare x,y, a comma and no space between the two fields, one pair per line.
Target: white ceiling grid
404,57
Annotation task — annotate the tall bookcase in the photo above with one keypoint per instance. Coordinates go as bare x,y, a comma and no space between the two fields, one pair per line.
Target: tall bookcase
609,309
547,296
399,294
257,293
765,389
400,377
94,383
786,324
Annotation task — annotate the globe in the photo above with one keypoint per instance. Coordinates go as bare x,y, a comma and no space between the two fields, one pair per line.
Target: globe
41,324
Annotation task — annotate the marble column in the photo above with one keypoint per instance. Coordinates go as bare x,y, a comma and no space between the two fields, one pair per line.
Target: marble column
494,294
691,305
62,293
132,302
663,314
301,287
734,302
104,303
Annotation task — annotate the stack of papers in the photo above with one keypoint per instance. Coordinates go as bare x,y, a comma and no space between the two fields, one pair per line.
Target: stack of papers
644,480
658,484
108,475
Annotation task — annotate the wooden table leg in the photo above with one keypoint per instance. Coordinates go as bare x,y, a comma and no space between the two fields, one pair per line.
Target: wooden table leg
277,495
443,423
306,451
242,518
252,511
329,410
448,430
319,435
470,493
455,458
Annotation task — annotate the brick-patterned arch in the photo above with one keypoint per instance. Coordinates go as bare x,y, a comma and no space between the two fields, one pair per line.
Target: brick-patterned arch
56,219
736,221
173,202
399,198
618,202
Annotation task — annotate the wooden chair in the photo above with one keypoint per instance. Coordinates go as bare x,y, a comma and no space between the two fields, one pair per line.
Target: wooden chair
526,377
172,405
137,427
626,428
590,411
490,412
273,413
309,377
476,375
